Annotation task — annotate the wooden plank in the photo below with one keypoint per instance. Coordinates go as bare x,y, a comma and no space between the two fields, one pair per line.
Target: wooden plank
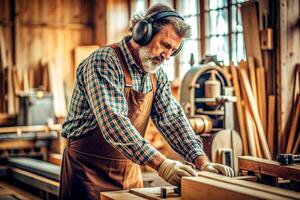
119,195
261,98
36,181
269,167
252,128
294,126
248,184
16,192
3,56
297,144
154,193
35,166
271,123
36,128
239,108
251,31
252,69
16,144
195,188
248,119
255,114
257,142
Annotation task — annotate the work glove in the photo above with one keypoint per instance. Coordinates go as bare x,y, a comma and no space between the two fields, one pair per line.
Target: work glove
217,168
172,171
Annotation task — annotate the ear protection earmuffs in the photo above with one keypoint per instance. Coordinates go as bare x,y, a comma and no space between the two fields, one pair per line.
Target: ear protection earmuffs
143,31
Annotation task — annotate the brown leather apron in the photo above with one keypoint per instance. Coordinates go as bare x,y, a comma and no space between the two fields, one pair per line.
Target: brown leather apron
90,165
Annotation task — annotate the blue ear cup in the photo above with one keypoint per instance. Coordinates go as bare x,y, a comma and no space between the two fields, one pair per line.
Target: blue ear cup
142,32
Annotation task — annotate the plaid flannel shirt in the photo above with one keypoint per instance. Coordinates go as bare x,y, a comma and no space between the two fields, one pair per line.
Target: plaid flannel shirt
98,101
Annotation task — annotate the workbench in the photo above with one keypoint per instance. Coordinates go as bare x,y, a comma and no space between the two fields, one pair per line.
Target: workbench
207,186
270,172
151,193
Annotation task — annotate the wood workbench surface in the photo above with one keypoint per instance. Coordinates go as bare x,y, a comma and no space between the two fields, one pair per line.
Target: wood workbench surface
152,193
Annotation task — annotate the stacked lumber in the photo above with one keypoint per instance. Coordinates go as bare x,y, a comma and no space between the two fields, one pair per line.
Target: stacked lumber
255,105
252,126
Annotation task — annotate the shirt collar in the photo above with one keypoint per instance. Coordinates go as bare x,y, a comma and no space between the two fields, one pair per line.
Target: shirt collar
128,56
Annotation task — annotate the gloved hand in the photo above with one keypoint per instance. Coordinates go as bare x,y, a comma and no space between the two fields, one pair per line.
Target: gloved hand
217,168
172,171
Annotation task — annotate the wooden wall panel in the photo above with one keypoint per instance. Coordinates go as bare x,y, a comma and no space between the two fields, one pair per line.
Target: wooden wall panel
42,31
117,25
289,56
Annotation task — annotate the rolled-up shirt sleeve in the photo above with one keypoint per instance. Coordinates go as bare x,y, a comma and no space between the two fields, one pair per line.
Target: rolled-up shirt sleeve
170,119
103,85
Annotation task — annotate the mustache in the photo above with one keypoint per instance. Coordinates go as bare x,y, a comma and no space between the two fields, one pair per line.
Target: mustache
158,58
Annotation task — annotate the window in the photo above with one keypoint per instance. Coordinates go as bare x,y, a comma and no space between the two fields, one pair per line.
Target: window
190,12
223,30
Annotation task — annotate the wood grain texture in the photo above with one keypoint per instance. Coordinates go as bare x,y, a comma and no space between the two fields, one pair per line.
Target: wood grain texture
250,184
262,94
271,123
251,31
294,126
254,111
239,108
194,188
269,167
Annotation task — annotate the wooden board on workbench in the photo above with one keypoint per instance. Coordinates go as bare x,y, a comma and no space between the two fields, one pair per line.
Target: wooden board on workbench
269,167
154,193
119,195
194,188
248,184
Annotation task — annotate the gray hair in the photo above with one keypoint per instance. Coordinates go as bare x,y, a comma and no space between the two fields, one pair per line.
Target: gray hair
182,29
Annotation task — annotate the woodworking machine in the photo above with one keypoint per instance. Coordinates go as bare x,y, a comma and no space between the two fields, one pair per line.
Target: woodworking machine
207,99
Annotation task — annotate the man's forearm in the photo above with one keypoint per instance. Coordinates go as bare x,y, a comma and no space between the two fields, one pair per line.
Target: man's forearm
156,161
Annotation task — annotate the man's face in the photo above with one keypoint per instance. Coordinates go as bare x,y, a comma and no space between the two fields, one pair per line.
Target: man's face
160,48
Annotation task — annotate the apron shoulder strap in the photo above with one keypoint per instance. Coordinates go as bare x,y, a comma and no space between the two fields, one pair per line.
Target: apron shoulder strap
128,80
154,83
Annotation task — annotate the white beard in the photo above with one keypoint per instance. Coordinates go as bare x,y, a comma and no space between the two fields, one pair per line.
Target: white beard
147,60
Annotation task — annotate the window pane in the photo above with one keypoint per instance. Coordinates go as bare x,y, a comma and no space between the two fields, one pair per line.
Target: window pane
192,21
190,11
188,7
219,46
241,54
214,4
